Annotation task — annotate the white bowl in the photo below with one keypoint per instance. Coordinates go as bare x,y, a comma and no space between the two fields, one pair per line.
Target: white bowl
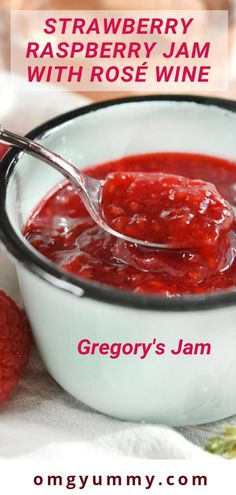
62,309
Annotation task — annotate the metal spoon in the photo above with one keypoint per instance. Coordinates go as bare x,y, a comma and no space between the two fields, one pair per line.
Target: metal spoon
90,189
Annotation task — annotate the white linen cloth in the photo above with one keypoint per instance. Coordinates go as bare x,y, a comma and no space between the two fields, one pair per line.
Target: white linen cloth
41,420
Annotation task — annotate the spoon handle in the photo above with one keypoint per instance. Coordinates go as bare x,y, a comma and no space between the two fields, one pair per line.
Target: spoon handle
38,151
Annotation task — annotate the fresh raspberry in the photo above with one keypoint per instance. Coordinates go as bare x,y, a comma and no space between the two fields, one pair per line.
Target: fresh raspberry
15,344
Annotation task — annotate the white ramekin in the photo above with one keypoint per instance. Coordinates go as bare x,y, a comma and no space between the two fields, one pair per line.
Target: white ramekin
175,390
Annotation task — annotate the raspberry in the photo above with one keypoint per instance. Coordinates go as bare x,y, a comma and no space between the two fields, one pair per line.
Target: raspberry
15,344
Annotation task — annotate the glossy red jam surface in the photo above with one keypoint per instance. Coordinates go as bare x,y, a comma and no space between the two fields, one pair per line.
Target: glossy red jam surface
167,209
3,149
62,230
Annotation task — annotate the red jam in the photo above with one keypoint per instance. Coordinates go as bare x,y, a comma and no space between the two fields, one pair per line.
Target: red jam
199,218
167,209
3,149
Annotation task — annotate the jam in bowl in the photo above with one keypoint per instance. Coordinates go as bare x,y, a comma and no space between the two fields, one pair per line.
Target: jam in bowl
192,212
78,283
